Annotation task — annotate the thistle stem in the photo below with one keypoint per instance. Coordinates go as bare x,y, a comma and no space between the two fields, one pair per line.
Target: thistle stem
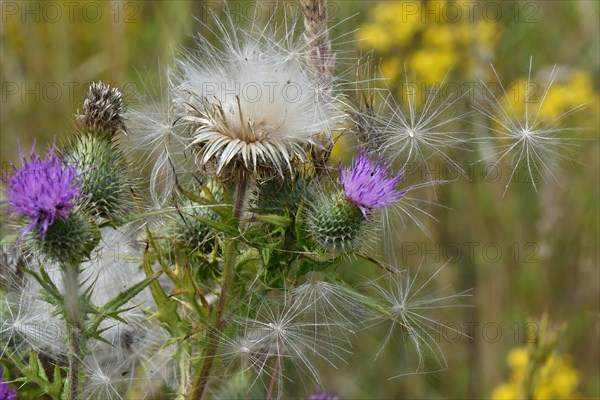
273,379
74,321
230,254
213,336
240,195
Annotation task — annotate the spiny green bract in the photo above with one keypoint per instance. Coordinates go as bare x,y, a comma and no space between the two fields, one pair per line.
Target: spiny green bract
189,228
102,171
69,240
279,197
333,223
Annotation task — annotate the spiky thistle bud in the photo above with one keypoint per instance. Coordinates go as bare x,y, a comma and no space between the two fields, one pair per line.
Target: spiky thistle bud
101,165
336,220
69,241
103,109
190,230
103,173
333,223
280,196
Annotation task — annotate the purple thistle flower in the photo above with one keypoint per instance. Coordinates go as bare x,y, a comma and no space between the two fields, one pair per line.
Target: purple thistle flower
6,392
41,190
319,395
368,184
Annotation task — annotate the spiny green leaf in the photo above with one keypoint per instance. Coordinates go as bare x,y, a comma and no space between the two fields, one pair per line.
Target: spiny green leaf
57,383
47,284
223,210
37,369
229,229
112,307
166,307
277,220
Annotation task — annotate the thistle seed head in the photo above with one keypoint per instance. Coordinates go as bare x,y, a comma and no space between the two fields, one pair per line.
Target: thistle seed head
250,105
103,110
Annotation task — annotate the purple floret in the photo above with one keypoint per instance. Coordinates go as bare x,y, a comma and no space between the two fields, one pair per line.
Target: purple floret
320,395
41,190
6,392
368,184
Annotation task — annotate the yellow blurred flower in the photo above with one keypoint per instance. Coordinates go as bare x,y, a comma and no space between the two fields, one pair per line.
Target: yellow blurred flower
517,358
577,90
391,24
430,65
440,35
429,38
561,97
391,68
557,379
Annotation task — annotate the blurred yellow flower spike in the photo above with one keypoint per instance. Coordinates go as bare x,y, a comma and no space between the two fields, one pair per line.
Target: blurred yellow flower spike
557,378
568,91
430,39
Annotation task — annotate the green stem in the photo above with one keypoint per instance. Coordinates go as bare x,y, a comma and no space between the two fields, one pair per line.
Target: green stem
240,195
213,335
74,321
229,259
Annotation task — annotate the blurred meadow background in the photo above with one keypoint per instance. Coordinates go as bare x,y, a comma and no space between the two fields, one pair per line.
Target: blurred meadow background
526,256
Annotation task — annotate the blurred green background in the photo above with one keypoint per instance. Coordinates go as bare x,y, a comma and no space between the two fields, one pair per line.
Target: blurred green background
548,242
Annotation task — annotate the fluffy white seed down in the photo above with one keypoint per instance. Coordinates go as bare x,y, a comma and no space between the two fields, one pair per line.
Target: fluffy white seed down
132,343
250,103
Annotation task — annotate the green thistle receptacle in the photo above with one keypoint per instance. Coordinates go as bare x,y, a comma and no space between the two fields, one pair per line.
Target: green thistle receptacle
333,223
102,170
69,241
189,228
280,197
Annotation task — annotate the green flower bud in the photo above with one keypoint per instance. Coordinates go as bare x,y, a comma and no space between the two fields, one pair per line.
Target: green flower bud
278,197
69,240
102,170
333,223
190,230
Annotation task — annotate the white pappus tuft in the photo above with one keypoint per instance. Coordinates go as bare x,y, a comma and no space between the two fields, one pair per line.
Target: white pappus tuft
418,132
408,309
277,332
526,139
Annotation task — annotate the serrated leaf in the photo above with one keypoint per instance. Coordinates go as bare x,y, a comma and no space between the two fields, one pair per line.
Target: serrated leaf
111,309
265,255
37,369
224,211
166,308
277,220
47,284
58,383
158,293
230,230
